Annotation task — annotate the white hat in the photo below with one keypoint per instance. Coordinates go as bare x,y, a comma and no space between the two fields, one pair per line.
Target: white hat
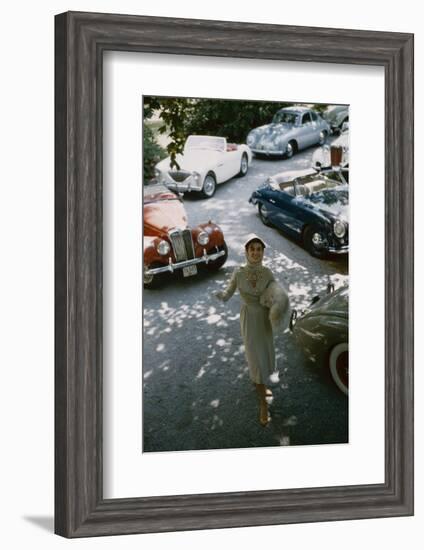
251,237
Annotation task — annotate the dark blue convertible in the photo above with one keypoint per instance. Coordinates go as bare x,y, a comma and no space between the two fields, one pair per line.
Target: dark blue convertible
309,206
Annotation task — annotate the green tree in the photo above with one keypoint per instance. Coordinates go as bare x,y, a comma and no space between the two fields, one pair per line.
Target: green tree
229,118
152,153
174,114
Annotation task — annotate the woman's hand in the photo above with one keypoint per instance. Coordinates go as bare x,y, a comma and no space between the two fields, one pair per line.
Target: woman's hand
219,294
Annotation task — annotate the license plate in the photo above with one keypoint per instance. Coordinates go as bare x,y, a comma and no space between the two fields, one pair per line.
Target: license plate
190,270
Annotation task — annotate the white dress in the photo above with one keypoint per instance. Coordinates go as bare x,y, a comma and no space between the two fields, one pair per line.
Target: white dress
256,329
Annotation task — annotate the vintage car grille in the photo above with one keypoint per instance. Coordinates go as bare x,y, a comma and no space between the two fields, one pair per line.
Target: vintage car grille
182,244
179,175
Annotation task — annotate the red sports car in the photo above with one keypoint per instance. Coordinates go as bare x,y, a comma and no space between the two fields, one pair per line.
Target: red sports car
170,245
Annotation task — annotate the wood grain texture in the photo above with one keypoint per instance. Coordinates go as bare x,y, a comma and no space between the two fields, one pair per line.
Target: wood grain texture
81,39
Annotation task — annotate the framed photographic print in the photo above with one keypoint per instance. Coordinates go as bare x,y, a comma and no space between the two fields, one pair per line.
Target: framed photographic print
281,180
229,151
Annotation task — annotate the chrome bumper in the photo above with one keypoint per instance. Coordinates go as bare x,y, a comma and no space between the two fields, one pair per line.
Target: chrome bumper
268,152
183,186
205,259
342,250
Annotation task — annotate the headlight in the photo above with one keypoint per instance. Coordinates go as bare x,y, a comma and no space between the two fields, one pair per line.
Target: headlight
196,176
163,248
250,139
339,229
157,173
203,238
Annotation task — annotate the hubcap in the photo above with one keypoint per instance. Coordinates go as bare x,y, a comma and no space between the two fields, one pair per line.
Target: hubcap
289,150
209,185
264,212
244,165
321,138
317,240
147,278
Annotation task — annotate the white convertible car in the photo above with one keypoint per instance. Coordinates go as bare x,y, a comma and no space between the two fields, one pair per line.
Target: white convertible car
205,162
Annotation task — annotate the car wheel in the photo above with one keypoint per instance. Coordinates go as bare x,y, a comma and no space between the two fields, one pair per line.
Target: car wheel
264,214
244,165
217,264
152,282
322,137
339,366
209,186
290,149
315,241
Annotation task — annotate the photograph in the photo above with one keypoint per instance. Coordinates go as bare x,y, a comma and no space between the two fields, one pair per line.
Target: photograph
247,376
245,273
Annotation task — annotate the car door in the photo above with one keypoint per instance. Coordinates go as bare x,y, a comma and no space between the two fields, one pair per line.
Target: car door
316,127
293,213
231,159
282,209
306,133
268,205
221,166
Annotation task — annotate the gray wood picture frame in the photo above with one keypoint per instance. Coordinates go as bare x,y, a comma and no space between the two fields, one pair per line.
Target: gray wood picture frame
80,40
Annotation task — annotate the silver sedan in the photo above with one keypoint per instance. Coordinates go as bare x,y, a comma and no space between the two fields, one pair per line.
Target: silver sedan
291,129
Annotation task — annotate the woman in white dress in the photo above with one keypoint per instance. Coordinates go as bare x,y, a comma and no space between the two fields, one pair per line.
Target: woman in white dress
251,280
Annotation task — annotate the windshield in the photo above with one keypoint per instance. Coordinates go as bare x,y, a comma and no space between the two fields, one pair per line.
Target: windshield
205,142
284,117
335,110
330,194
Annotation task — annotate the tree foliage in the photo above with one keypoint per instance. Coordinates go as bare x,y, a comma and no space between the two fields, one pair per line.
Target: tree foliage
231,119
174,113
152,153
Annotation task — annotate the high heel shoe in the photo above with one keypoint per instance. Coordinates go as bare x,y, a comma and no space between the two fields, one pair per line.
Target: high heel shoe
264,416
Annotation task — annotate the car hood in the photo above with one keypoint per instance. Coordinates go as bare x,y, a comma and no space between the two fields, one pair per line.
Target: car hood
335,304
272,130
162,216
197,160
330,202
333,114
342,140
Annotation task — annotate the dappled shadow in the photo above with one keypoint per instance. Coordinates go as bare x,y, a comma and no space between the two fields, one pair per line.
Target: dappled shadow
196,388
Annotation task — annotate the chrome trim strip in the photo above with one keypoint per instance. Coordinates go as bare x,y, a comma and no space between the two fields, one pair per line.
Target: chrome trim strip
172,267
341,250
268,152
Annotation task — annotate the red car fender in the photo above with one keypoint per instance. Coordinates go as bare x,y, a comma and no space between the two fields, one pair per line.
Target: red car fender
150,252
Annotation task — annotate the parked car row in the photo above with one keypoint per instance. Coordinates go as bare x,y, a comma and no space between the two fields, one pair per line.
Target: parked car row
309,205
207,161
